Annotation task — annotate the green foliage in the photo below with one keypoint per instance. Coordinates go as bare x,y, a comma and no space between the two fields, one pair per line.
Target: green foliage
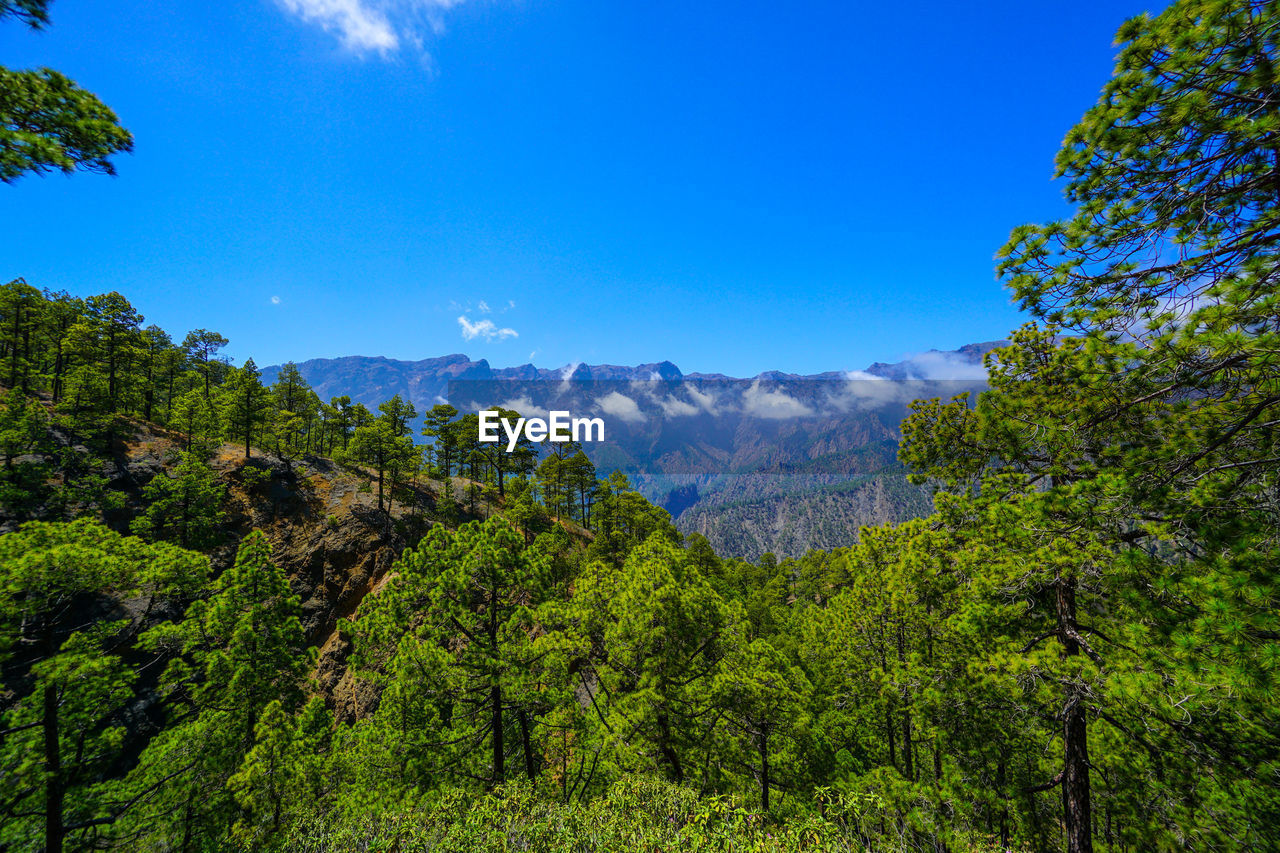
449,641
246,406
634,814
288,765
195,415
657,630
436,424
185,508
47,122
381,444
236,656
68,679
1077,650
23,442
1115,488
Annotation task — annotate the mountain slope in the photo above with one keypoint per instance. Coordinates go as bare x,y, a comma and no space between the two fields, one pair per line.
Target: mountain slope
749,477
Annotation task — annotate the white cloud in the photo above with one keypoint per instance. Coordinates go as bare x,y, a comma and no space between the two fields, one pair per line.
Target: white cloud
526,407
673,408
867,391
621,407
774,405
361,27
377,26
484,329
483,307
275,300
706,401
673,405
944,365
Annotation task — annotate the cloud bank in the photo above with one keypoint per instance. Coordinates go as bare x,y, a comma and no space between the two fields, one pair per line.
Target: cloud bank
944,365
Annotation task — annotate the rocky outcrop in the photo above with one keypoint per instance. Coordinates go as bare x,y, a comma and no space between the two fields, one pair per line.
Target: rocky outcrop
322,520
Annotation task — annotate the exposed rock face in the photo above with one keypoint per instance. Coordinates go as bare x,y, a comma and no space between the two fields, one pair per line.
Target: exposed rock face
336,546
791,524
321,519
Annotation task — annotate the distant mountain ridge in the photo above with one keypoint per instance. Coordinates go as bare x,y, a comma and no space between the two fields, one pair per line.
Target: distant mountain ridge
750,483
374,379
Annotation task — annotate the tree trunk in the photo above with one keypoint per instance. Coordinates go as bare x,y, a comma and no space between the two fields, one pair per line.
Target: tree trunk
53,830
764,773
530,770
889,728
1075,767
499,750
668,751
908,749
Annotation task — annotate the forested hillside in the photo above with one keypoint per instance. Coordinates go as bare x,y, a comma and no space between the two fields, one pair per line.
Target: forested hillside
1077,649
779,463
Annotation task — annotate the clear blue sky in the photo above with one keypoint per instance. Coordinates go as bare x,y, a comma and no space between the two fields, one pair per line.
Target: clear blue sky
735,187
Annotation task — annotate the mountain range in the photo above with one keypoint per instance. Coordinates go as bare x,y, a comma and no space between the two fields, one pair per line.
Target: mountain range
778,462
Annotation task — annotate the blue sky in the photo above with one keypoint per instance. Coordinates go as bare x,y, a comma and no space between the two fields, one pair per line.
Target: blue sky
734,187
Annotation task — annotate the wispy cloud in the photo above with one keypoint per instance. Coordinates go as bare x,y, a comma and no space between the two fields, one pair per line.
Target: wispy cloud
275,300
373,26
772,404
484,329
361,27
944,365
526,407
620,406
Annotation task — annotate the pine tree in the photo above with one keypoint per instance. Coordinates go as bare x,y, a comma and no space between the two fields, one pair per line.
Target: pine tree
201,347
1130,463
391,454
68,682
398,413
284,774
451,638
764,697
186,508
246,405
47,122
235,654
436,425
651,637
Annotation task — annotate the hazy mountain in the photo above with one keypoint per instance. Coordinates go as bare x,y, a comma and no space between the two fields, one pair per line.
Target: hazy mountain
776,462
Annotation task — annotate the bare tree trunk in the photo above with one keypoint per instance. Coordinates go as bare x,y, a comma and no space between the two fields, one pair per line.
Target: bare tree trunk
530,770
764,773
1075,736
499,748
54,793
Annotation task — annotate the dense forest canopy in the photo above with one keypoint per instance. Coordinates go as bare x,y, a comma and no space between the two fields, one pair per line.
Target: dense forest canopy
1077,650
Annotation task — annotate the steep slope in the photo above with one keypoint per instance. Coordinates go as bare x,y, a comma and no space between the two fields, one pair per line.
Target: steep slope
321,519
